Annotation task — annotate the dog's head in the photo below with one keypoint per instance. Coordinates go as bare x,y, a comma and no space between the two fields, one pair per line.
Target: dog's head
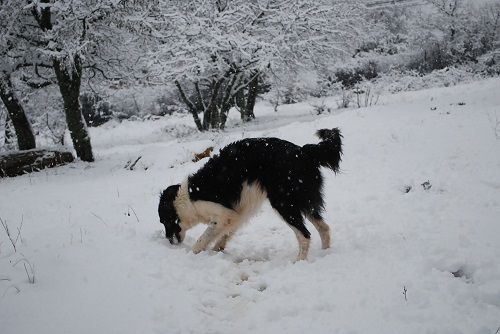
168,214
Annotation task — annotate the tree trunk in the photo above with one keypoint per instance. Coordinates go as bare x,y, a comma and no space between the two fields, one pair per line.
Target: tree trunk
22,126
247,113
9,134
191,107
211,116
240,101
22,162
69,80
221,97
228,99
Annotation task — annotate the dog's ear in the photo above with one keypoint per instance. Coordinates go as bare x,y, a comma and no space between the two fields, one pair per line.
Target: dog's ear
170,193
167,198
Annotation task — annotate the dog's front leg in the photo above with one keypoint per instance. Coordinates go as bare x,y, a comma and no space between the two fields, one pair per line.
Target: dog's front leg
211,233
220,245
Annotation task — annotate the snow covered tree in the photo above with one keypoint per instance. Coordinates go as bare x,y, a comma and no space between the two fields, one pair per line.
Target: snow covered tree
13,57
65,25
215,50
22,126
85,36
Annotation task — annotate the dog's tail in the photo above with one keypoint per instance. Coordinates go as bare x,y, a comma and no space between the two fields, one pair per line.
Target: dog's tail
328,152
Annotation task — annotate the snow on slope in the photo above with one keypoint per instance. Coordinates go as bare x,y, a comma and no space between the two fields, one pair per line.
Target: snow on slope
101,265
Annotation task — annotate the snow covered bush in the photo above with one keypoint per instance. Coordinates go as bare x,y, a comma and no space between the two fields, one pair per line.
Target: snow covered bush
351,76
455,32
398,80
387,31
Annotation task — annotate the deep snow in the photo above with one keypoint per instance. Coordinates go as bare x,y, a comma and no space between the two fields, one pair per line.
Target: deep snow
101,265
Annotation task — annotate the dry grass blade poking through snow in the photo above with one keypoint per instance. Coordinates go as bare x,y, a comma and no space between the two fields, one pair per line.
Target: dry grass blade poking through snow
13,240
495,122
366,97
29,273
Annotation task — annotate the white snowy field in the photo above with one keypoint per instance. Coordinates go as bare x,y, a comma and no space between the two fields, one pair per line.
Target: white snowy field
91,240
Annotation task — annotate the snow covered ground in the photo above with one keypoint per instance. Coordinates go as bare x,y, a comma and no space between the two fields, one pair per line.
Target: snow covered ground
91,240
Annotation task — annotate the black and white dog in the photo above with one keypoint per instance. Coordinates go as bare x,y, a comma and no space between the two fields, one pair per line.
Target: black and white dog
231,186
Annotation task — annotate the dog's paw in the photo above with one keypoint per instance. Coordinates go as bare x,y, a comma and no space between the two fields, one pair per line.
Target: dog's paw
218,248
300,260
197,248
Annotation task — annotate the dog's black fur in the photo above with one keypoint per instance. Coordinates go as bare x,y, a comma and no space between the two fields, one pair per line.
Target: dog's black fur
168,215
288,173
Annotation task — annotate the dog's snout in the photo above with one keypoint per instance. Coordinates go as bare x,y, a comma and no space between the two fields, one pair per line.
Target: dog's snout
175,240
179,238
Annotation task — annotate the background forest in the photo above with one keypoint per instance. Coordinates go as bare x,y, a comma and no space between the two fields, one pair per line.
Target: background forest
66,65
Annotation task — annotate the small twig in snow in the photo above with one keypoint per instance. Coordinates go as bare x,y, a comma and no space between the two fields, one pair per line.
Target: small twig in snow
132,166
134,213
496,129
404,292
31,277
19,228
12,286
102,220
495,123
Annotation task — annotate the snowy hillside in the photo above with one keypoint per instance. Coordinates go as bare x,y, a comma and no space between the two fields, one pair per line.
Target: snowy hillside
406,257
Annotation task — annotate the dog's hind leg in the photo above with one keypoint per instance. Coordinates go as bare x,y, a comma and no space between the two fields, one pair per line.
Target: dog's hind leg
303,244
296,221
322,227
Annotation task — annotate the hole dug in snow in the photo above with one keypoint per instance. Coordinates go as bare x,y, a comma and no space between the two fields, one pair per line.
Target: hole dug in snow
244,280
463,273
425,186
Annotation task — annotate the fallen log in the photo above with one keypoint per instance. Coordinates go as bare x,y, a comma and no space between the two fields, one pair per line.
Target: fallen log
22,162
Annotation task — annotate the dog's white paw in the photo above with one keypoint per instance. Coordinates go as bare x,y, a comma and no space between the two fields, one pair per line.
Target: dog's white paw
197,248
300,259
